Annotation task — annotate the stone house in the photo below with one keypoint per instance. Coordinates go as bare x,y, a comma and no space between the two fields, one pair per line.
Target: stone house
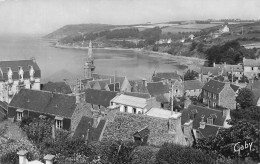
251,68
65,110
18,74
236,70
208,73
160,91
216,93
192,88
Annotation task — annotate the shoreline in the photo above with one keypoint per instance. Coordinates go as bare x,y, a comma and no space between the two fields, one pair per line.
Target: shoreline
182,60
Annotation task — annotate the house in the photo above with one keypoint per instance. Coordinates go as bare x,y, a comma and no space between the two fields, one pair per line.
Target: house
204,121
163,41
122,80
18,74
133,104
160,91
216,93
177,88
225,29
99,99
208,73
59,87
192,87
166,77
236,70
65,110
251,68
191,37
90,128
139,86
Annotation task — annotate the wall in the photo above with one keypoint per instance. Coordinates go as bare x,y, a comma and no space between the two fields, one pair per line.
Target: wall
227,98
76,117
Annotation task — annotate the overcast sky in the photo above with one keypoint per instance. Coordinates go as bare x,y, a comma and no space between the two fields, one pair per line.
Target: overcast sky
44,16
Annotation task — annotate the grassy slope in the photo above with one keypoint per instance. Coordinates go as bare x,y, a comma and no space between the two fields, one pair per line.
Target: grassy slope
75,29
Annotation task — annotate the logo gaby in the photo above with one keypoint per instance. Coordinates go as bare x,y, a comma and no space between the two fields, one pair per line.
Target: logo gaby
238,147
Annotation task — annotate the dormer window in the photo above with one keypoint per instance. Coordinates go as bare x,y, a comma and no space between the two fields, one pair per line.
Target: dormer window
19,114
31,72
20,72
59,122
10,74
210,120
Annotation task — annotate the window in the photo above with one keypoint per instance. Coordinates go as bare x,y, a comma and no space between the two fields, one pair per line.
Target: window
59,122
252,68
134,110
214,96
205,93
125,108
209,94
214,104
210,121
19,116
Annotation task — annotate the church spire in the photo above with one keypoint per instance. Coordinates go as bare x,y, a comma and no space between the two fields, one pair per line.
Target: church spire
90,55
89,63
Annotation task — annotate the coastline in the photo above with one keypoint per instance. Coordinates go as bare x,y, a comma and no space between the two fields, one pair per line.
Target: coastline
182,60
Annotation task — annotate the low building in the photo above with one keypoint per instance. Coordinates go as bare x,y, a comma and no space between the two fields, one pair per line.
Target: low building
216,93
131,104
18,74
192,87
65,110
251,68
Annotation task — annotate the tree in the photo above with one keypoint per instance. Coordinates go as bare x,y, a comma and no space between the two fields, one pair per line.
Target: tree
191,75
245,98
250,114
171,153
223,144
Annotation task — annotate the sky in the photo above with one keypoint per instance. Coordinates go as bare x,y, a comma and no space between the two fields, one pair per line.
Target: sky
45,16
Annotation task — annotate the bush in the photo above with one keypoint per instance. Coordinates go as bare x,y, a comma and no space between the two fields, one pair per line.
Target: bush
171,153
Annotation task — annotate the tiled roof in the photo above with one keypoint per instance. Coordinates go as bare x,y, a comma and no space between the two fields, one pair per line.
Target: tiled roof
4,105
156,79
199,111
45,102
192,84
99,97
214,86
15,64
211,70
85,126
168,75
158,112
111,87
209,130
130,100
60,87
157,88
251,62
138,94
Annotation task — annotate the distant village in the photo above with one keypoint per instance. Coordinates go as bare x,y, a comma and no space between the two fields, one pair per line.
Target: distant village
112,107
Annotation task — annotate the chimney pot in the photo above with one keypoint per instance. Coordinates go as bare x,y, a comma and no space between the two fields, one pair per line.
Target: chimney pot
22,156
48,159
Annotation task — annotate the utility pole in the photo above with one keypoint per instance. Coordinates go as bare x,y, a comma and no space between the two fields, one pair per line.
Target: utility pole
172,101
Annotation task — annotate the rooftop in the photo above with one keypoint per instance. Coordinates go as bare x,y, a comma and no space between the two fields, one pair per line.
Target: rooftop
157,88
192,84
214,86
130,100
59,87
158,112
251,62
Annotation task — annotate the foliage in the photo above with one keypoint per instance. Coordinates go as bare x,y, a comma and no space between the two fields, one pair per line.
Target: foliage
9,158
251,114
144,155
191,75
171,153
245,98
151,35
3,130
25,122
193,45
244,79
123,33
223,143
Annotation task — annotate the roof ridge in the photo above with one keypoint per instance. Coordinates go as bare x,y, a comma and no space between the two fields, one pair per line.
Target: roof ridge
206,108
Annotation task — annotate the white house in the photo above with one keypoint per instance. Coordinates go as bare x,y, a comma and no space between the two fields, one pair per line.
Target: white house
251,67
132,104
18,74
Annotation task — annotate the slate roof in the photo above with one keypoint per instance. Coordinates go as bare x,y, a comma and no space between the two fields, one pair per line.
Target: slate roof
230,68
118,79
142,133
214,86
156,79
251,62
207,112
168,75
15,64
4,105
130,100
219,78
85,126
209,130
234,87
103,83
45,102
99,97
60,87
111,87
192,84
157,88
211,70
138,94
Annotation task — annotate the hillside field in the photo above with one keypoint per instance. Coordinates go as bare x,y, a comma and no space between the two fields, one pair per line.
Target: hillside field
187,28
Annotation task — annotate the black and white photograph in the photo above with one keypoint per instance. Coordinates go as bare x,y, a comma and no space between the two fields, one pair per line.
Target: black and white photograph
129,81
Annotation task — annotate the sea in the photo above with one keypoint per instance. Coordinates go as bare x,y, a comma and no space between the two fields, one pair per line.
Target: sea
59,64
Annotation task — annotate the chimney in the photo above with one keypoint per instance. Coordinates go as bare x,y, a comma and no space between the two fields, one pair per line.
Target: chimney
202,122
226,112
214,64
144,82
174,122
33,59
226,115
187,102
22,156
96,120
188,128
48,159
